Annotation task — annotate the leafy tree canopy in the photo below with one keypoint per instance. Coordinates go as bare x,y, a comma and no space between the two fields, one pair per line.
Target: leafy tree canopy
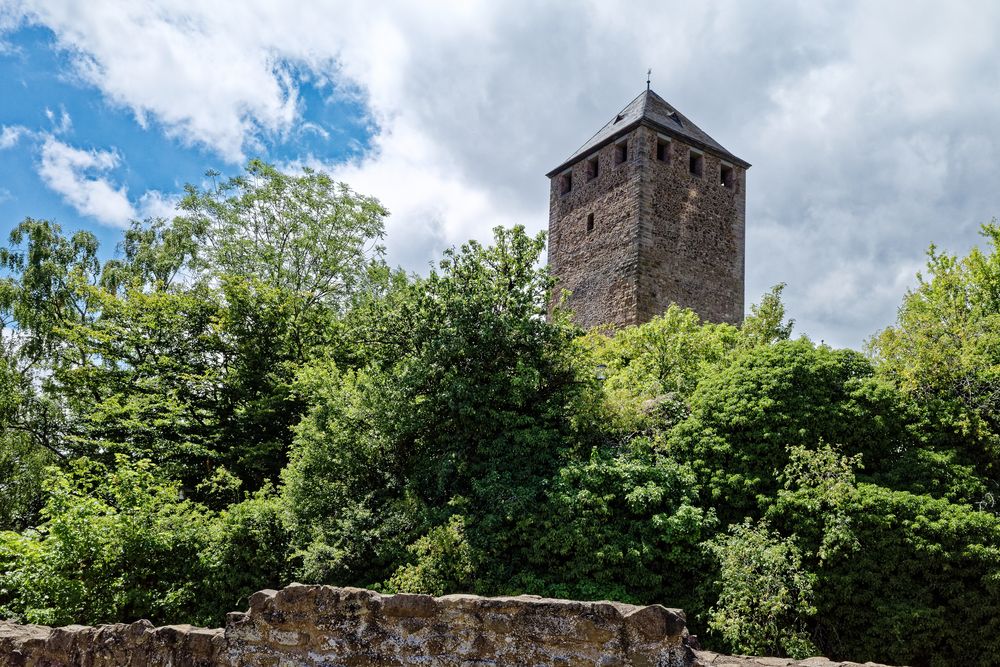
944,349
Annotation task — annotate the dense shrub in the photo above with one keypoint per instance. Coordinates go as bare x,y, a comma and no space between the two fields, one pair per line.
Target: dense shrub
114,544
765,593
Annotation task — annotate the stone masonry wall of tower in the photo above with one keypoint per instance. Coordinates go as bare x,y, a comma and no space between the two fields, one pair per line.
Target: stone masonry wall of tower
691,234
598,267
649,230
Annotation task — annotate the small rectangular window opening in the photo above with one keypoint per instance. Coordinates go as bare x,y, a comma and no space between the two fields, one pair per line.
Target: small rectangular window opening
696,163
590,222
621,152
566,182
727,177
593,169
663,150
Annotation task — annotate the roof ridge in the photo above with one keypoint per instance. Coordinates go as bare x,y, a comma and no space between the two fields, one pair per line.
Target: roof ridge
645,102
611,122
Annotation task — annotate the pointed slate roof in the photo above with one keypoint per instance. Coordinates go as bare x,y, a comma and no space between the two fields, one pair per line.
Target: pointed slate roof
650,109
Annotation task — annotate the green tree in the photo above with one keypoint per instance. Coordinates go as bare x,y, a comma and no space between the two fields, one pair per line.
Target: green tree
619,525
466,401
745,416
444,562
152,389
248,549
892,567
22,467
766,323
350,515
26,447
766,595
185,347
944,350
651,370
290,254
305,235
120,543
48,290
46,294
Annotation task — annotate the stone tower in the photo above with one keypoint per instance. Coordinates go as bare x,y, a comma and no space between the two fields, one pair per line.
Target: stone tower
650,211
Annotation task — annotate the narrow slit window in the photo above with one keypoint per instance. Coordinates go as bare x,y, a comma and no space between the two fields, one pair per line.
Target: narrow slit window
621,152
566,182
696,164
727,177
663,150
593,168
590,222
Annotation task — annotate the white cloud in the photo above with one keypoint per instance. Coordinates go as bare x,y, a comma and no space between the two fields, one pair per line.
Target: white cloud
10,135
71,173
871,125
79,176
11,18
314,128
208,76
155,204
61,123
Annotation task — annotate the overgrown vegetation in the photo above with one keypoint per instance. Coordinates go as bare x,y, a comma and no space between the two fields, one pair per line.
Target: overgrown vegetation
248,395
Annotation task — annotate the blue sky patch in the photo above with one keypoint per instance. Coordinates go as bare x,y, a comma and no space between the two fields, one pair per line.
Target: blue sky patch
43,97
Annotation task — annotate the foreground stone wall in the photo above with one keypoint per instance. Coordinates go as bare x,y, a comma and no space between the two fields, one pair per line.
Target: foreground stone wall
351,627
120,645
323,625
343,626
709,659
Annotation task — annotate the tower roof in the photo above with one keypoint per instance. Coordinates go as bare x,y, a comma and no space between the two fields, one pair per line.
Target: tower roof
650,109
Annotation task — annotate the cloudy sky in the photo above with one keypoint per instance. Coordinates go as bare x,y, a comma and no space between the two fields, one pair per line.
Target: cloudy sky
873,128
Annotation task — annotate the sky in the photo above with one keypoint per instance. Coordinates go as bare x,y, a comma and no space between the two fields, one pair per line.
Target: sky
873,127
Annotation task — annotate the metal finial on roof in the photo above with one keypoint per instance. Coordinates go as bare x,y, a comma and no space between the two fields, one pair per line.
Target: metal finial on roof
649,73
